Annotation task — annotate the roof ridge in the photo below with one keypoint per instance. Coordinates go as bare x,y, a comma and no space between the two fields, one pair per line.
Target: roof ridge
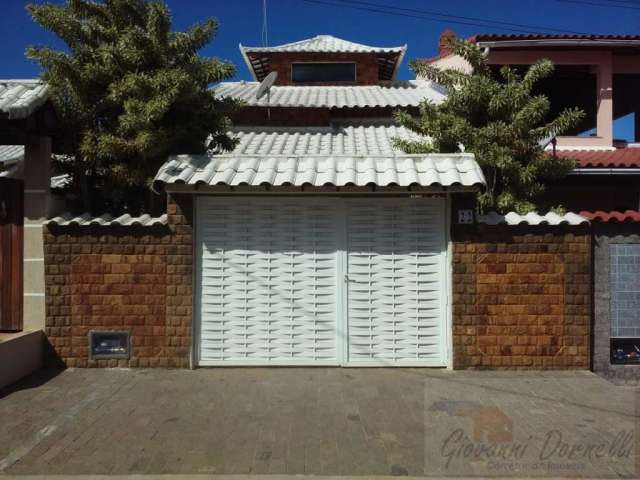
322,37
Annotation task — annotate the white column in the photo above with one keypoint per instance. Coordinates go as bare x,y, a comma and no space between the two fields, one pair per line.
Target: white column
604,126
37,180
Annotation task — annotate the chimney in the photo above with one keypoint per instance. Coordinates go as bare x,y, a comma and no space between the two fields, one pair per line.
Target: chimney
443,47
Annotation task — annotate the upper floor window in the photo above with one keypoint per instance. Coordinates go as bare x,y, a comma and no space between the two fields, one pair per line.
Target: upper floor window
323,72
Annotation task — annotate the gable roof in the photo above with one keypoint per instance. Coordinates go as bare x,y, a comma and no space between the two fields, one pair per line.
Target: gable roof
20,98
257,58
387,94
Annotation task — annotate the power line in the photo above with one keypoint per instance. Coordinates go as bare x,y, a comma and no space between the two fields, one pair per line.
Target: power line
445,19
605,5
460,17
631,2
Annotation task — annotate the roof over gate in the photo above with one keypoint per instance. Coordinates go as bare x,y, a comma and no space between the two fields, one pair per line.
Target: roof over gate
347,155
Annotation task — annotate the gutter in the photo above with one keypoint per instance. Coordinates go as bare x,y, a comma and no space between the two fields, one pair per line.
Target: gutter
605,171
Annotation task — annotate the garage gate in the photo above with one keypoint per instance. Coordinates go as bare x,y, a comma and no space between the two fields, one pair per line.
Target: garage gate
321,281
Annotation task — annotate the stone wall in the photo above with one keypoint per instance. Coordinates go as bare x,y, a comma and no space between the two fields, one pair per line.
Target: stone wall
604,236
521,297
136,279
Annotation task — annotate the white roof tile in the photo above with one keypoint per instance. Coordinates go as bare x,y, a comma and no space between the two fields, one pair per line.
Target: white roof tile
341,139
20,98
386,94
86,220
10,154
11,157
12,165
324,43
422,170
351,154
532,218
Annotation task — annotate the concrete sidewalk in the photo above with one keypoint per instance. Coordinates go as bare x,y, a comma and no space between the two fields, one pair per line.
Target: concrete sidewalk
319,421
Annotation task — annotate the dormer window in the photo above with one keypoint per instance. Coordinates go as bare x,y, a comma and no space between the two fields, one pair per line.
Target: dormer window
323,72
324,60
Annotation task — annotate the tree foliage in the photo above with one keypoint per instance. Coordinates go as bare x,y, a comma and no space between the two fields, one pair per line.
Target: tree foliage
129,90
500,120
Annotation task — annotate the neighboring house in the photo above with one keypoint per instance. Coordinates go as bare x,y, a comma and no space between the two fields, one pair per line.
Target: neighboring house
27,123
599,74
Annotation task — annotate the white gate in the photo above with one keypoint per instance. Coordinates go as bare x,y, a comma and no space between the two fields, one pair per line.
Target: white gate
320,281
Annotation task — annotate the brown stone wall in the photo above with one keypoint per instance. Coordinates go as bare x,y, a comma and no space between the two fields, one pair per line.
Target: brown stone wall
136,279
180,261
521,298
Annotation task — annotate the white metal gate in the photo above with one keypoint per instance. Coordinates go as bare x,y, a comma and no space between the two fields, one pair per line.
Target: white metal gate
320,281
396,274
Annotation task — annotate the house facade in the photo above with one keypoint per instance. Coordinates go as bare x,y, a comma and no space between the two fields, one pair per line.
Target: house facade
317,242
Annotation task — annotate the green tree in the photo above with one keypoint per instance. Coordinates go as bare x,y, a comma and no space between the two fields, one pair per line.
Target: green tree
129,91
500,120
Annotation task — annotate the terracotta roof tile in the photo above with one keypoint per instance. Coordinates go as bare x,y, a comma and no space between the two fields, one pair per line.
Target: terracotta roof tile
621,157
613,216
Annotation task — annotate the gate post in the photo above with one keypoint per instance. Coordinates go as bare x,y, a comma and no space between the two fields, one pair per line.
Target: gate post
37,180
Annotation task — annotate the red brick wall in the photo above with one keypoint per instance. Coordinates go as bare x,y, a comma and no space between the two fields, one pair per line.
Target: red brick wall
136,279
521,298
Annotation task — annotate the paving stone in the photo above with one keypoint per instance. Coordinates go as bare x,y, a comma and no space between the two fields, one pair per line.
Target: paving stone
318,421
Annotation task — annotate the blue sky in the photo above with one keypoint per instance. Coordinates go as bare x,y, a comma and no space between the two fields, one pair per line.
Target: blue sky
291,20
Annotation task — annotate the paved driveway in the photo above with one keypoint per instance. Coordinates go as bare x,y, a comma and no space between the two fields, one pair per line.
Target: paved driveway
324,421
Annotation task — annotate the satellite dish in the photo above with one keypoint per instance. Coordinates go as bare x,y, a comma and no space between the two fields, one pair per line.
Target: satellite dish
265,87
266,84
